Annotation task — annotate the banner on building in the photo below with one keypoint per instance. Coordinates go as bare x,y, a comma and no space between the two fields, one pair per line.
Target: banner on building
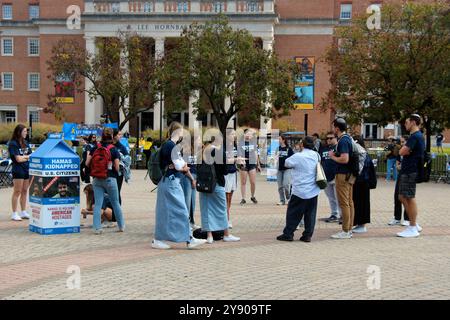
304,86
64,89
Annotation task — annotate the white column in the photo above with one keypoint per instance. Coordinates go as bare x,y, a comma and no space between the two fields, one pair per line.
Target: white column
231,6
89,7
195,6
268,6
90,111
157,112
126,104
193,124
159,7
227,107
267,45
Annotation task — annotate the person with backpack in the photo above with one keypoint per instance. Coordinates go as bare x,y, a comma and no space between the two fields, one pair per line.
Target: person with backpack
391,159
284,174
213,203
305,192
172,216
103,161
345,177
361,192
412,170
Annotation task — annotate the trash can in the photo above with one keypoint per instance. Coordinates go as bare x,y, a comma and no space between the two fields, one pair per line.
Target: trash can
54,188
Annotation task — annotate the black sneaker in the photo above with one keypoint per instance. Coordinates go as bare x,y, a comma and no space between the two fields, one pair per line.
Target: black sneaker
340,221
283,237
332,219
254,200
243,202
305,239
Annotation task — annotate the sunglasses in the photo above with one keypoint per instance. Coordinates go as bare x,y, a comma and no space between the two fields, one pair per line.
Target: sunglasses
330,138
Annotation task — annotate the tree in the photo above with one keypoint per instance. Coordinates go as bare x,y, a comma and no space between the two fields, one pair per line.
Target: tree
219,62
124,73
382,75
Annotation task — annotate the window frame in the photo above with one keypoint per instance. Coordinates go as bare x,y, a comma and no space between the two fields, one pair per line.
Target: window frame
3,47
5,5
343,5
30,6
31,109
3,81
29,81
38,47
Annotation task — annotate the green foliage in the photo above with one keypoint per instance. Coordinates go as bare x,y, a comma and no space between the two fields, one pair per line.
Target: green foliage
219,62
383,75
38,134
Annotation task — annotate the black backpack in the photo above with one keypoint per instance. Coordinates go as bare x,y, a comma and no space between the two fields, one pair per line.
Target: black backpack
424,168
206,178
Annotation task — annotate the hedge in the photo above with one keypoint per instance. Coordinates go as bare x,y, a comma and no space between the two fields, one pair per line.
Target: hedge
39,129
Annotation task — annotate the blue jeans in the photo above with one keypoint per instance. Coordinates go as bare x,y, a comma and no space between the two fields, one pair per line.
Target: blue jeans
109,186
391,163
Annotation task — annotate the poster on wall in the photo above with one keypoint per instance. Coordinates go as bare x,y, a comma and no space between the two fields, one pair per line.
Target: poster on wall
64,89
304,86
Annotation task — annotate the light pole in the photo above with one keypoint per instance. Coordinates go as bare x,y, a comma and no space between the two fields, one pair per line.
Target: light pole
160,117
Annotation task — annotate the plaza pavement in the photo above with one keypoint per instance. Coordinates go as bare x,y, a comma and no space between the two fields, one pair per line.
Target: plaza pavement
123,265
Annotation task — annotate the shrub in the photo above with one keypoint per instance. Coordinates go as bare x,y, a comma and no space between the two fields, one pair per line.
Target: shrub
38,134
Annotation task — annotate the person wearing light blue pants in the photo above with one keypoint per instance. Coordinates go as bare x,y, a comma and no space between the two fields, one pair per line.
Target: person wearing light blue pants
391,167
391,159
108,184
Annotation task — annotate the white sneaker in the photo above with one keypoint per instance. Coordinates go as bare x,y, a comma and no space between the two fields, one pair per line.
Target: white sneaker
405,223
419,228
409,232
98,231
359,229
342,235
394,222
156,244
108,224
195,243
231,238
15,216
210,240
24,215
194,226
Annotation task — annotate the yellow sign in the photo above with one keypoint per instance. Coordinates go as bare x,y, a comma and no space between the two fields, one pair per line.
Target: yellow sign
65,100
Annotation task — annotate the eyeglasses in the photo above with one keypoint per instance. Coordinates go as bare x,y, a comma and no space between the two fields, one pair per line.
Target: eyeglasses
330,138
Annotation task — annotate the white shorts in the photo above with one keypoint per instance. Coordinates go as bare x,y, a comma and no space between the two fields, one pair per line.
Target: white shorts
230,182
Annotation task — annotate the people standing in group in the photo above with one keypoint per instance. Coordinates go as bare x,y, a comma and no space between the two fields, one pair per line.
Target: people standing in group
189,191
249,150
103,161
439,140
391,159
412,153
172,216
213,206
361,192
19,152
231,155
329,167
344,178
397,220
123,151
317,142
303,202
284,173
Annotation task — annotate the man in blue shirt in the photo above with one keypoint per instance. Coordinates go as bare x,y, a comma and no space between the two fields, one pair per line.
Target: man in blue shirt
344,178
329,167
303,201
412,153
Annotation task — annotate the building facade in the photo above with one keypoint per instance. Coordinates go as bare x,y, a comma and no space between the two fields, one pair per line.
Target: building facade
292,28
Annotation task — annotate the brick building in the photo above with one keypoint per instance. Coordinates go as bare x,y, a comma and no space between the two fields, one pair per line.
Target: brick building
30,28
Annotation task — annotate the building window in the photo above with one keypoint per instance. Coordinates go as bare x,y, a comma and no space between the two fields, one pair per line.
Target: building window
7,46
7,81
115,7
252,6
148,7
346,11
33,81
33,112
219,6
7,11
370,131
8,116
33,47
33,11
183,6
